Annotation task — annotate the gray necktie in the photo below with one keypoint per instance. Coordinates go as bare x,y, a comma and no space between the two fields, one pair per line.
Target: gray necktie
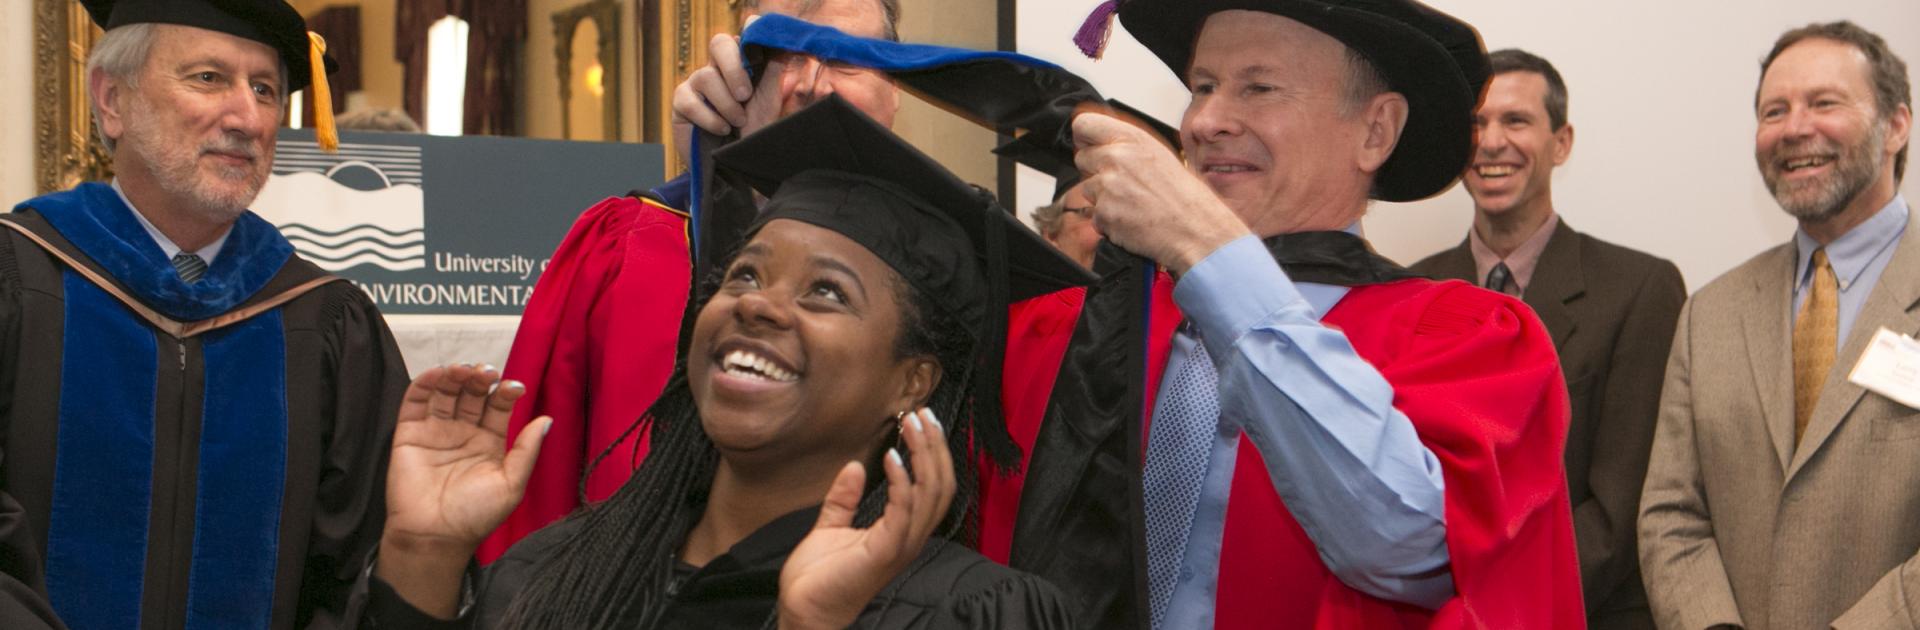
1180,442
189,266
1499,278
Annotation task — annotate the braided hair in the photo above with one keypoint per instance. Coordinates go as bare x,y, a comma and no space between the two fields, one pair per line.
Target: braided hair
616,567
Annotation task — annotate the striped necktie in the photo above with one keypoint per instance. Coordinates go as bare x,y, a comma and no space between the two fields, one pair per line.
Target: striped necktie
189,266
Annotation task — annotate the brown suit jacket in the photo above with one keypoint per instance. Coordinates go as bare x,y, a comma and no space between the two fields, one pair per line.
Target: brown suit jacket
1611,311
1739,525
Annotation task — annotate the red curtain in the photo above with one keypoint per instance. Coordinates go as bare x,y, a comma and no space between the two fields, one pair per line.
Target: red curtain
497,33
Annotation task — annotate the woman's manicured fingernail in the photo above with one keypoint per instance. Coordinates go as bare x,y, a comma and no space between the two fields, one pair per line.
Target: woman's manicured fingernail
934,419
894,454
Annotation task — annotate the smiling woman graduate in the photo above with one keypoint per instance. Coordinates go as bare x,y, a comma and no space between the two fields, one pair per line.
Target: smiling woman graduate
872,283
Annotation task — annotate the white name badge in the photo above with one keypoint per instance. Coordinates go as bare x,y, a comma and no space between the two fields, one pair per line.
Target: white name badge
1890,367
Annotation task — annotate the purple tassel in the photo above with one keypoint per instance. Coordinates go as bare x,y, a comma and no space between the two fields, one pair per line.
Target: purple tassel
1092,36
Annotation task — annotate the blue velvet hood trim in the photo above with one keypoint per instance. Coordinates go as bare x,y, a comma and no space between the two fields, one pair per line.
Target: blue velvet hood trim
94,219
999,90
783,32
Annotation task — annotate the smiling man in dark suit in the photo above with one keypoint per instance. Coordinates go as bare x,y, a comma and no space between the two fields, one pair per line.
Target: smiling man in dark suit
1611,311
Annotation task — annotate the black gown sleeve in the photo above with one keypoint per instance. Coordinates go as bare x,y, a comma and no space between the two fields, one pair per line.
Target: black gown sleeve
957,589
23,596
1021,602
368,379
493,591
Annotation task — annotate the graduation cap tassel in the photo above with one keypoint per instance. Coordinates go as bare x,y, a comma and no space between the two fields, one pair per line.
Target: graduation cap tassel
323,130
1093,33
988,426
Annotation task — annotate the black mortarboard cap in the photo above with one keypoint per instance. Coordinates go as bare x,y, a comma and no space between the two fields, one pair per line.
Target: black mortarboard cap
831,166
1047,155
270,22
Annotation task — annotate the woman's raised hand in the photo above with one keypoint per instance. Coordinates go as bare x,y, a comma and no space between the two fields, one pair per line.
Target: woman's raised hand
451,479
837,569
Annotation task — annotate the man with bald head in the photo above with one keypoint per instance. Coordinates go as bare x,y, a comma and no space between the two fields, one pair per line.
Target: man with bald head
597,339
1784,492
1330,441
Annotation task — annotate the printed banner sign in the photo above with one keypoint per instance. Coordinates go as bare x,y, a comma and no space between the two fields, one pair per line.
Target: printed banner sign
443,225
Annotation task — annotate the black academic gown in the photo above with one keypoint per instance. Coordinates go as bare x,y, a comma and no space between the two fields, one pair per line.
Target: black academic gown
228,472
947,587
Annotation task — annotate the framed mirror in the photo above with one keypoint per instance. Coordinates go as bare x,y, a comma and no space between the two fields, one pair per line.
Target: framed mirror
66,150
673,44
587,55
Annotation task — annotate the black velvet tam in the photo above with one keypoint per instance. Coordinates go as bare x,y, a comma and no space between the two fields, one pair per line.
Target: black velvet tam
270,22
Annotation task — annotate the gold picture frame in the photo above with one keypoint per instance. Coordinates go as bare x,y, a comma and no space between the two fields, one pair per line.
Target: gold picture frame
66,149
673,40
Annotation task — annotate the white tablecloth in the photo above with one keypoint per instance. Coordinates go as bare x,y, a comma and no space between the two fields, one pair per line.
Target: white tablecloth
430,340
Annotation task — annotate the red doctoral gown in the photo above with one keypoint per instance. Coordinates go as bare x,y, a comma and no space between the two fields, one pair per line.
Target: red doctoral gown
595,348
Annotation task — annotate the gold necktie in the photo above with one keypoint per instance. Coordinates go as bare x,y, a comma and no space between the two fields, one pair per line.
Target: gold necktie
1813,340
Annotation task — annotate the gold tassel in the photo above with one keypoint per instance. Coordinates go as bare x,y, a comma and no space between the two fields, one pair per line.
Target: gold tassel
323,129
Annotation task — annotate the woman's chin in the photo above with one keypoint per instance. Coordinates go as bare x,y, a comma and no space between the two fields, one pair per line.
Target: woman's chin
744,433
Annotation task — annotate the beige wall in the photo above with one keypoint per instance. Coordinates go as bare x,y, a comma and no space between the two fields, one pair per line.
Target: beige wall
16,102
960,145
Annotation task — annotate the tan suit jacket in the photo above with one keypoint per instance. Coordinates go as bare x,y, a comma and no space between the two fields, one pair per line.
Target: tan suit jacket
1611,312
1738,525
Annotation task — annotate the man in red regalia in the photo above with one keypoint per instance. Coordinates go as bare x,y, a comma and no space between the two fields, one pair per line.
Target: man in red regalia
1328,441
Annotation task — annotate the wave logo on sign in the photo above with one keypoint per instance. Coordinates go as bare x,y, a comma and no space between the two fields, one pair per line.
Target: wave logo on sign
361,206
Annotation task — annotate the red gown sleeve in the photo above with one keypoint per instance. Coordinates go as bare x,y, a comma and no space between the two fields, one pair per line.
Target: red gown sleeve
1477,374
595,347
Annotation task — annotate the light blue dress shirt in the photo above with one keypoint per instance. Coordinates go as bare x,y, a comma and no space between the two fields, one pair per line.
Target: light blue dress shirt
1348,465
167,246
1858,257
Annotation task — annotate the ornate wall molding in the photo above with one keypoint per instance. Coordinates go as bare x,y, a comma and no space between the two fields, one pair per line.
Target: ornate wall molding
66,152
605,15
674,35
